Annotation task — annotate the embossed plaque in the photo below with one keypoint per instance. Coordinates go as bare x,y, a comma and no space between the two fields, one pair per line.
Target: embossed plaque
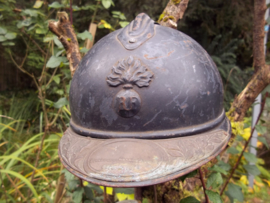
129,72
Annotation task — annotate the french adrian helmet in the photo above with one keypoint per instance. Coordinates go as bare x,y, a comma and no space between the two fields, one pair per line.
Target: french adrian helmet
147,107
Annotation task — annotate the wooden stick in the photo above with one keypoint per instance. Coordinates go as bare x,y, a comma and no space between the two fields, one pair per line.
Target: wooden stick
138,194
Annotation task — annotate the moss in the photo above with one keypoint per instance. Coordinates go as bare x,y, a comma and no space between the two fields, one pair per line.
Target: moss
169,17
176,1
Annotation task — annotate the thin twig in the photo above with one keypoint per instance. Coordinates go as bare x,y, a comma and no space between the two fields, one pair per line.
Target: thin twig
203,184
14,185
155,193
39,48
228,78
20,66
70,11
51,77
105,194
55,118
245,147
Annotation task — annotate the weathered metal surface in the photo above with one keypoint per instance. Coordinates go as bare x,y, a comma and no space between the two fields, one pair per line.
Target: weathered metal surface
133,162
160,98
137,32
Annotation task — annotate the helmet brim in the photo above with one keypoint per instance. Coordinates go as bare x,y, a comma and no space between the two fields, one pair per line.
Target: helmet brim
129,162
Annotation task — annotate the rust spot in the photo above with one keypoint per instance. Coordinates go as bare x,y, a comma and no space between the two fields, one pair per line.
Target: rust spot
184,106
156,57
208,93
149,35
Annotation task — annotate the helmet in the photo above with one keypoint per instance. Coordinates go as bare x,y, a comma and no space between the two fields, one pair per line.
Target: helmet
147,107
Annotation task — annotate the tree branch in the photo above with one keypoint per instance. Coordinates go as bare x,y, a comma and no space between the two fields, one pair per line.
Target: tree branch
203,184
245,147
174,11
65,33
261,77
258,34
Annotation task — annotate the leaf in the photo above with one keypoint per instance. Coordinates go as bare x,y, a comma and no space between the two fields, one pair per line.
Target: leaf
73,184
252,169
85,35
23,179
77,195
126,191
123,23
3,30
189,199
89,193
2,38
56,5
218,169
48,38
38,4
68,176
232,150
30,12
8,44
214,180
250,157
57,42
95,187
234,192
261,129
55,61
11,35
25,23
56,79
41,31
106,3
263,140
213,196
84,50
223,165
61,102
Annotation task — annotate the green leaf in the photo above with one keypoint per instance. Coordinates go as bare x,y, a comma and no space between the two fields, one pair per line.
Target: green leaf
41,31
95,187
11,35
57,42
8,44
85,35
213,196
73,184
38,4
263,140
25,23
106,3
56,79
68,176
214,180
250,157
48,38
123,23
232,150
127,191
3,30
252,169
2,38
55,61
218,169
89,193
84,50
261,129
223,165
30,12
234,192
56,5
60,103
189,199
77,195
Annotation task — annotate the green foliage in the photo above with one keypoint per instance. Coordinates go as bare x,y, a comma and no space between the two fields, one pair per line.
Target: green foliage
189,199
234,192
213,196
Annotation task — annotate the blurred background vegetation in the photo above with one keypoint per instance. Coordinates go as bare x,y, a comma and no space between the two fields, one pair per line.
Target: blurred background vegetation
35,80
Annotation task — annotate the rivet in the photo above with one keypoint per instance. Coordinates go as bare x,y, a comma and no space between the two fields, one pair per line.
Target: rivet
132,40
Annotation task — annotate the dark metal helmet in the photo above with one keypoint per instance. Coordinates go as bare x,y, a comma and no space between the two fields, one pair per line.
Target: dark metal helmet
147,107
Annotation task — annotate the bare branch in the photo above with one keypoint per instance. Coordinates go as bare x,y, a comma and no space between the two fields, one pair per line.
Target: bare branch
65,33
174,11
